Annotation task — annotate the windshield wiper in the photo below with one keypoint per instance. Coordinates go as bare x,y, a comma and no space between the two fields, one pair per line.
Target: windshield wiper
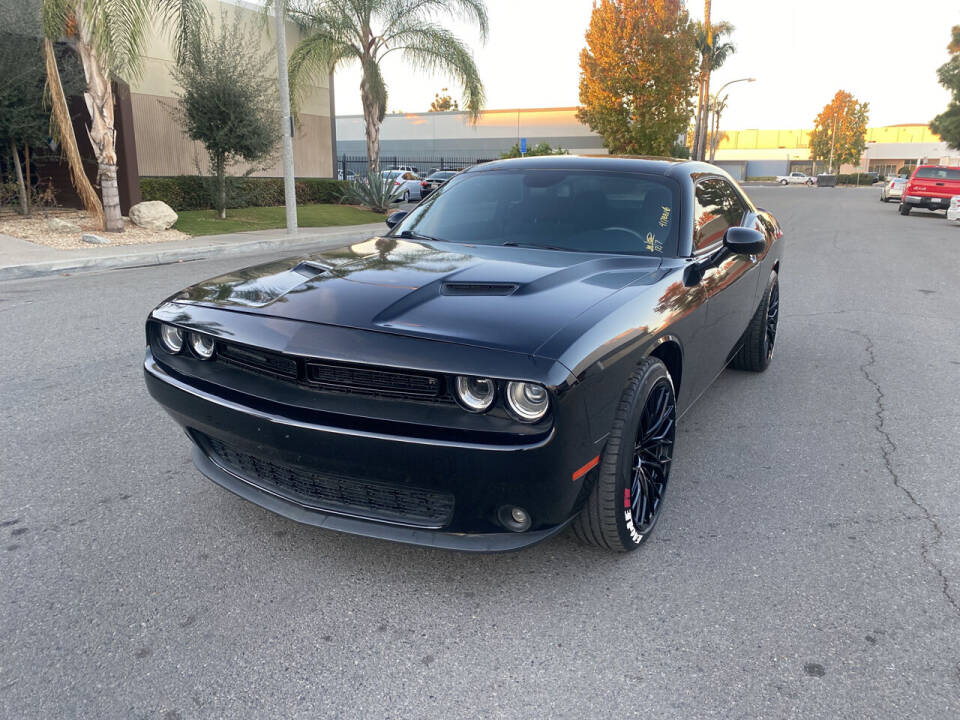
534,245
411,235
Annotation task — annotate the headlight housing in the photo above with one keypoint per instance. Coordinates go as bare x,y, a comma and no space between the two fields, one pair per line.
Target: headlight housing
171,338
528,401
476,394
202,345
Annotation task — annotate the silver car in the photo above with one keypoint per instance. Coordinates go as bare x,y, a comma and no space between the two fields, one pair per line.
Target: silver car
409,183
892,189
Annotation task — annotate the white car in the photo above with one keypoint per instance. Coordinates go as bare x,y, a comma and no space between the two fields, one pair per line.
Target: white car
953,212
796,178
409,183
893,189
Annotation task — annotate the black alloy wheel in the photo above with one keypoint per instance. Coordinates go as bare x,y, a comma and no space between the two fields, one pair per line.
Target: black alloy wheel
773,318
627,496
760,337
652,454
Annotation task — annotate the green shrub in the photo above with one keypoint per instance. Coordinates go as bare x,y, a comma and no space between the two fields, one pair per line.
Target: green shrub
855,179
193,192
9,194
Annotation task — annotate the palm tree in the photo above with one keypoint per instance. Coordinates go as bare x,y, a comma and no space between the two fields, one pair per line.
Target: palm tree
109,37
717,106
714,53
342,31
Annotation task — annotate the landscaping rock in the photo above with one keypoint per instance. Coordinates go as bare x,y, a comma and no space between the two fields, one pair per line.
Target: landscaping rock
58,225
153,215
95,239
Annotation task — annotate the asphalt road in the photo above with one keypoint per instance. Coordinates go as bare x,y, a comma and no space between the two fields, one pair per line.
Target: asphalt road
807,564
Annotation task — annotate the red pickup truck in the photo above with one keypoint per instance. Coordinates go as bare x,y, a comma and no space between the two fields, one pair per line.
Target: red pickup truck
930,187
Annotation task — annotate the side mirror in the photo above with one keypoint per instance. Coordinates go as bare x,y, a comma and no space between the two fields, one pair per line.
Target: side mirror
394,219
744,241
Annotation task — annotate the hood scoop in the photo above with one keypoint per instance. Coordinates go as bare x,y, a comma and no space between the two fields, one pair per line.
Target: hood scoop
310,268
493,289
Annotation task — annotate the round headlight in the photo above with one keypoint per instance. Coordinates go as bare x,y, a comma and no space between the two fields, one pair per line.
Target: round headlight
475,394
528,401
172,338
202,345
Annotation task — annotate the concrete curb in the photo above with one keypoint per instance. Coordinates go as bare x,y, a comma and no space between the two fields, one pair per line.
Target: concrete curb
160,256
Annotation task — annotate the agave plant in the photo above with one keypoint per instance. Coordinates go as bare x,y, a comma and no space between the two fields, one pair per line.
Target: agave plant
374,191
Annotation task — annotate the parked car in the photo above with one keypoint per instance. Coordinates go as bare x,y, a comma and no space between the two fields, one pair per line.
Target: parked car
435,180
796,178
351,175
406,168
930,187
409,181
507,360
892,189
953,212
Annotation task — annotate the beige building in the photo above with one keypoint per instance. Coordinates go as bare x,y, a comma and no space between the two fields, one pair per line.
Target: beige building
427,138
163,149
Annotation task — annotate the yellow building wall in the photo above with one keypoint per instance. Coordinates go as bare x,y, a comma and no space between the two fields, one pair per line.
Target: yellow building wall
800,139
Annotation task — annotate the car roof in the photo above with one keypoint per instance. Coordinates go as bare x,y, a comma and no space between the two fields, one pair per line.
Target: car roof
671,167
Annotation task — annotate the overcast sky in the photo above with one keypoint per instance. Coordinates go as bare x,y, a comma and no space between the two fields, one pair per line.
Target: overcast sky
801,51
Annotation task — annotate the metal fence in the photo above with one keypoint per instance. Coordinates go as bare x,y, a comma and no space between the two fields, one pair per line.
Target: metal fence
350,165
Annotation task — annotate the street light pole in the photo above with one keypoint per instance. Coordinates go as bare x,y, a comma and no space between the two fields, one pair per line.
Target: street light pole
286,120
717,95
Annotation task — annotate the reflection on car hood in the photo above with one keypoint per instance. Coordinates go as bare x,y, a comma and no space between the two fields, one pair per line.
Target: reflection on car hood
504,297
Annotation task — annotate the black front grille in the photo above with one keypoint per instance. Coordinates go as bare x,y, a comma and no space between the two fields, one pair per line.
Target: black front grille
335,493
386,382
258,360
335,376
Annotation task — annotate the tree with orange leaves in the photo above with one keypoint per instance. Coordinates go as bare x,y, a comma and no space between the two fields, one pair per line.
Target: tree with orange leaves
839,133
638,74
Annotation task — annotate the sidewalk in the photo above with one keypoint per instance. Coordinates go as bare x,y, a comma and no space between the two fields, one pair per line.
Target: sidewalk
22,259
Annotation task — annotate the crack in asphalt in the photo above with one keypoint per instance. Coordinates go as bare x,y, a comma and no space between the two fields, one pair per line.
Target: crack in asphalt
887,448
855,311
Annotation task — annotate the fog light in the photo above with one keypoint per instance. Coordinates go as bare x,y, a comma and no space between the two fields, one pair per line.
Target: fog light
172,338
202,345
513,518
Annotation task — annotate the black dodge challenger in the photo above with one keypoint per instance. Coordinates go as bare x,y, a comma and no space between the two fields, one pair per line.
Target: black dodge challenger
511,357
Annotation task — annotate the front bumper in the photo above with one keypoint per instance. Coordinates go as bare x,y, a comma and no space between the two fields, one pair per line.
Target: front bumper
480,478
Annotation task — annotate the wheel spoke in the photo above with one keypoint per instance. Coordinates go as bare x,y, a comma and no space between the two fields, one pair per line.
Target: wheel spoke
652,455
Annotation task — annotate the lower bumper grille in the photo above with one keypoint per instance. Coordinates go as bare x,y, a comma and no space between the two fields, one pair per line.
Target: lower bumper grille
335,493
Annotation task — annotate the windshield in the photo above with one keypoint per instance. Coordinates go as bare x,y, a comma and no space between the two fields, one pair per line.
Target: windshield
581,210
938,173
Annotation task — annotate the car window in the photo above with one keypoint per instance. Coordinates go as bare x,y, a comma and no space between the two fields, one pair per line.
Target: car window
938,173
717,207
582,210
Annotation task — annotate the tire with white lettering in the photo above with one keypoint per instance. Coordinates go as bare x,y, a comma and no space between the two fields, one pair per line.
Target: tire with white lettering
627,496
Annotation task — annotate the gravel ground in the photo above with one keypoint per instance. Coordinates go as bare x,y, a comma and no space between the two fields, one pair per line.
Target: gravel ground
35,229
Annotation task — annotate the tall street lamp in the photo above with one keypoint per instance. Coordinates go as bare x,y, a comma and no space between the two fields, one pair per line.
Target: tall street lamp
722,87
286,119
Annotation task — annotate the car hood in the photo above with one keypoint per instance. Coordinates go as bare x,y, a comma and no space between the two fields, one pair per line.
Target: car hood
503,297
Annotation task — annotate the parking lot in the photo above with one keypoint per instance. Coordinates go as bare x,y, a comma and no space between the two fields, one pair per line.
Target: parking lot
807,564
